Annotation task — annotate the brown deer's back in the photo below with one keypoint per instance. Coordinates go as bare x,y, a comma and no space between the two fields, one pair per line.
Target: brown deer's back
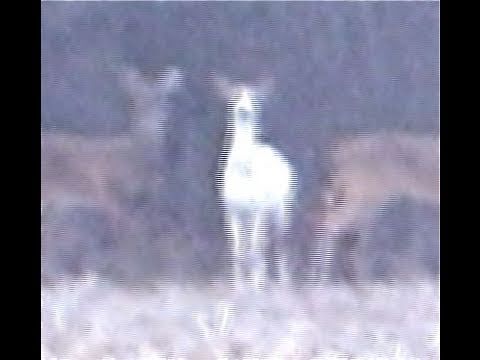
381,164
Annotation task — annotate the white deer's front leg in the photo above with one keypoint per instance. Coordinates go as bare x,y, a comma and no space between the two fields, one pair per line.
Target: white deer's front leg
238,248
257,254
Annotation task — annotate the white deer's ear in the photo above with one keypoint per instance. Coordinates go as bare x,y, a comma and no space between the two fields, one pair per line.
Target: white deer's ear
265,86
224,88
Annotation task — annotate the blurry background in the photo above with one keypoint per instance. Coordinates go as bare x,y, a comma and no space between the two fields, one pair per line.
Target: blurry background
339,67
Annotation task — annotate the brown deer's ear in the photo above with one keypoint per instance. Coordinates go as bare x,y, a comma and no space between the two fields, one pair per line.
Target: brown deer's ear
130,75
132,81
137,85
332,197
171,79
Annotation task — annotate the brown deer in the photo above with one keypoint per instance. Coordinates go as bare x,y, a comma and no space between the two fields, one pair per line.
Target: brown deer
94,172
366,172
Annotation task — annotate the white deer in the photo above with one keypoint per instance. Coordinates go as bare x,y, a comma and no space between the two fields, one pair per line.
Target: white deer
257,188
366,172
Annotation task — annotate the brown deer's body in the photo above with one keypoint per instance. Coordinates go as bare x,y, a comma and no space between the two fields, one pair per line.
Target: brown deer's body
367,171
79,170
93,170
102,172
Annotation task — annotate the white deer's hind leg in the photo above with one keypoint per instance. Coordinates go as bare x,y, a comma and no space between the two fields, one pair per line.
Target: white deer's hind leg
281,259
238,249
257,253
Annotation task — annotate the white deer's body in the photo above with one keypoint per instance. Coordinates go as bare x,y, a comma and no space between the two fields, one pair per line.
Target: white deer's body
258,177
367,171
257,191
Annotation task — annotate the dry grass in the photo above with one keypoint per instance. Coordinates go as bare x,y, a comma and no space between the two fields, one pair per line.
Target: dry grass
94,319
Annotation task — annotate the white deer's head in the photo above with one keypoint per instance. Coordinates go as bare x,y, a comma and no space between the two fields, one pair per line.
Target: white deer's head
245,110
243,103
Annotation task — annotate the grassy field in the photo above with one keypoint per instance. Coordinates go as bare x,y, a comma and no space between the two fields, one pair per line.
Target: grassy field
94,319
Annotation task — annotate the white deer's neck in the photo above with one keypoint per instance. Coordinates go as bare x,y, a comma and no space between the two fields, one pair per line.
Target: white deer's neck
244,118
244,138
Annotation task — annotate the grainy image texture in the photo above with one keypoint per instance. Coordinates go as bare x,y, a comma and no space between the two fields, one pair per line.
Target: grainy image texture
233,180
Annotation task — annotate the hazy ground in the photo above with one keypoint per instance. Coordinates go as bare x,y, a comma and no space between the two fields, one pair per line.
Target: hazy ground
94,319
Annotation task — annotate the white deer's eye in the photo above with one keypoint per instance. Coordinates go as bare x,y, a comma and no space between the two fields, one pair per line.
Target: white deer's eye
244,116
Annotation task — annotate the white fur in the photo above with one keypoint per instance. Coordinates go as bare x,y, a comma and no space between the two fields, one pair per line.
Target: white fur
257,189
